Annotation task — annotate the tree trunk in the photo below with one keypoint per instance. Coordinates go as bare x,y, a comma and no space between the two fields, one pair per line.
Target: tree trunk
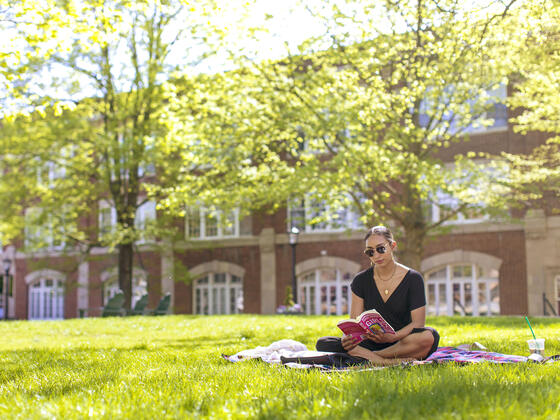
126,254
411,247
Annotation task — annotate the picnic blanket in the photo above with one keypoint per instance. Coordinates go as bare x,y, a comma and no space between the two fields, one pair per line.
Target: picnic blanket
294,354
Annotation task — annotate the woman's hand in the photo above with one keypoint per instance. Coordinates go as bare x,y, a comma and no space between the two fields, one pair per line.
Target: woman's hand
349,342
381,337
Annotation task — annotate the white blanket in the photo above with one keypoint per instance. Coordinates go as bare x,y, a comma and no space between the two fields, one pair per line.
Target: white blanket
273,352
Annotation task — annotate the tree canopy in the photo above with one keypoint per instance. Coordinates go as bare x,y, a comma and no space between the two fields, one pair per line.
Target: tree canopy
536,59
362,116
90,129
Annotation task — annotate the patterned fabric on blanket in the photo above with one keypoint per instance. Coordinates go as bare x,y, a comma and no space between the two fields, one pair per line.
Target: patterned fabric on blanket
454,354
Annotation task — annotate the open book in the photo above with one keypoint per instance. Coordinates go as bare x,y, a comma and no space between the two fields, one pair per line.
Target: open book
367,321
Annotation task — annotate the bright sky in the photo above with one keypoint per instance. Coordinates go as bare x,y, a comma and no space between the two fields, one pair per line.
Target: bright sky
287,23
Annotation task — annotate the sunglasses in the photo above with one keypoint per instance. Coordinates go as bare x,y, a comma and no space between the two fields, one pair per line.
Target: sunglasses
380,249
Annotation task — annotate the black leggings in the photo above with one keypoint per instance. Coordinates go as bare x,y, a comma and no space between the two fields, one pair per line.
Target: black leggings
334,344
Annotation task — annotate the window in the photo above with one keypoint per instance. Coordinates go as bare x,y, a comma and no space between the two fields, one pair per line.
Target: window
325,291
145,214
309,215
46,299
218,293
139,288
497,112
444,204
107,218
41,232
463,289
202,223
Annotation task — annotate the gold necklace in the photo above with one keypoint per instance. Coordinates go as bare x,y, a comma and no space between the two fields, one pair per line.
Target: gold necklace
388,279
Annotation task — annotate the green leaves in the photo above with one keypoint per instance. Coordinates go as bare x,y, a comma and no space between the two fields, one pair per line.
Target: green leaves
367,116
534,53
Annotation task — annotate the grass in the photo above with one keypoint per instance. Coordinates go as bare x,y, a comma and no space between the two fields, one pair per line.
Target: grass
170,367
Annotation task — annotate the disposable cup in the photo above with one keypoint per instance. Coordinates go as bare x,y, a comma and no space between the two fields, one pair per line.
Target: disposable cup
536,346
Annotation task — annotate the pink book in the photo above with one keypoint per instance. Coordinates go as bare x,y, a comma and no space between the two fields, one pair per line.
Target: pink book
369,320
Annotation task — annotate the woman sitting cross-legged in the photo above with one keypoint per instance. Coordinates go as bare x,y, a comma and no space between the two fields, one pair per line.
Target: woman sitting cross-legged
397,293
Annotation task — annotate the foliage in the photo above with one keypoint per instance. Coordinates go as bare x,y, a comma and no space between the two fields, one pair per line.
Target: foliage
536,98
170,367
360,117
93,125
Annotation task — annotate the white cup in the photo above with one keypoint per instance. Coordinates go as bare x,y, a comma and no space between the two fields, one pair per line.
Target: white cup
536,346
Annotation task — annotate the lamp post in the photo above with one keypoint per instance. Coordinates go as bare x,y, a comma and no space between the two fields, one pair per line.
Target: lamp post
293,239
7,264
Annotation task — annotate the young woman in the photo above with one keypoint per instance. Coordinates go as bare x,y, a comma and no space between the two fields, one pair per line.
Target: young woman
397,293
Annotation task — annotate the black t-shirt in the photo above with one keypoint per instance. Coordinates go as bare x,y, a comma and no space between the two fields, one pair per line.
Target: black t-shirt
408,295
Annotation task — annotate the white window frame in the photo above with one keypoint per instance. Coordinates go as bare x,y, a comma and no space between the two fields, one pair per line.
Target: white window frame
499,92
39,231
45,302
450,201
220,229
103,227
351,220
474,281
311,280
145,213
213,289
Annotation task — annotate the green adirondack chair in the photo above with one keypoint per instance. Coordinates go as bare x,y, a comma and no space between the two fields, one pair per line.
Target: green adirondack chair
114,306
163,306
140,306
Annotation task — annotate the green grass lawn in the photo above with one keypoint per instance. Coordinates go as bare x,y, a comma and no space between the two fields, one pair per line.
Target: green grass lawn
170,367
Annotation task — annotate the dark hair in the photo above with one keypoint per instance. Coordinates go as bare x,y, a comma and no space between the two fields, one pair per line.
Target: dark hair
381,231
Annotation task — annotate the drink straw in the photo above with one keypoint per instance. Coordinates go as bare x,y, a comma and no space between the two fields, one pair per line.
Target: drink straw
528,323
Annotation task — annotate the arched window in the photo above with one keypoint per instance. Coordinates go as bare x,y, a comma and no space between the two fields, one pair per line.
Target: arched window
218,293
325,291
324,285
111,285
45,295
463,289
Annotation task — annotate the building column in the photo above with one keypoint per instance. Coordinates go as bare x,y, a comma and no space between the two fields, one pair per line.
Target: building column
268,271
10,252
167,272
83,288
540,253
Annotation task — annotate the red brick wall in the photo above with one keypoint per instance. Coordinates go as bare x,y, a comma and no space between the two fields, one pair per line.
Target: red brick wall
276,220
508,246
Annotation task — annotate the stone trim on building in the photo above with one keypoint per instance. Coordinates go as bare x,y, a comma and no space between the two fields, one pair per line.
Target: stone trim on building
46,272
461,256
327,262
216,266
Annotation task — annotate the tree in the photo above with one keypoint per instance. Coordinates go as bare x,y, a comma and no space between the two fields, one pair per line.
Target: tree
362,115
537,98
94,126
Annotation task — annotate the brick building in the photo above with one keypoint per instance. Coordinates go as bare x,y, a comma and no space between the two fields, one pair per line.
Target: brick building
480,267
